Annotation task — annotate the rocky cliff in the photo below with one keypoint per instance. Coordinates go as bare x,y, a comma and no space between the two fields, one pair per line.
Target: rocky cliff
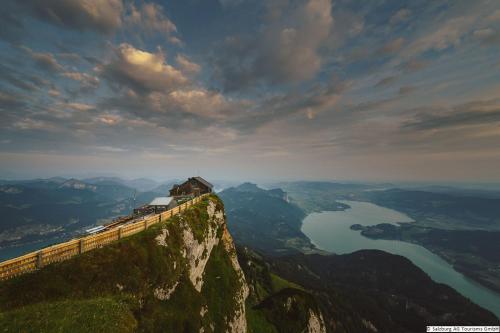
178,276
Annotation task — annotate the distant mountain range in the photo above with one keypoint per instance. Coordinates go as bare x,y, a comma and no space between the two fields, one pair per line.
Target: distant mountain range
139,184
437,207
58,208
269,221
264,220
462,229
185,275
46,211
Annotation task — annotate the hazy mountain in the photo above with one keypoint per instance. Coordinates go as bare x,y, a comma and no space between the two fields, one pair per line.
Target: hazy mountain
460,229
140,184
42,210
185,275
264,220
457,209
440,210
164,188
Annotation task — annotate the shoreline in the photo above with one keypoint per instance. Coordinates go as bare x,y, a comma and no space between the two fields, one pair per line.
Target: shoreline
463,289
380,232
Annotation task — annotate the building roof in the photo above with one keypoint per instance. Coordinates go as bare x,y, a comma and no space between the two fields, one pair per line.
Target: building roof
161,201
203,181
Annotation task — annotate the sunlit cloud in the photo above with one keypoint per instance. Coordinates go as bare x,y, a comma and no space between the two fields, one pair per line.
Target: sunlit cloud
264,88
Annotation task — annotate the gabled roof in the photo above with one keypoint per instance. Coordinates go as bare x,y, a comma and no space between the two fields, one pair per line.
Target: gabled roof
161,201
203,181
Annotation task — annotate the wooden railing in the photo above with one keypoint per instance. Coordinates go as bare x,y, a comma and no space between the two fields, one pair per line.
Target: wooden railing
60,252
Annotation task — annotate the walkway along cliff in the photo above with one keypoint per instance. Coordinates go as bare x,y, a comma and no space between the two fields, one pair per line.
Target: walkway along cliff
63,251
177,274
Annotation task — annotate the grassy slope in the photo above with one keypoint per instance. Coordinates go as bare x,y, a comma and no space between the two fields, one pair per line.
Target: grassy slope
269,292
94,315
130,270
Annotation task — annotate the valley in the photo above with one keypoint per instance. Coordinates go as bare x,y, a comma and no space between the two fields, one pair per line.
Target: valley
40,212
273,225
339,238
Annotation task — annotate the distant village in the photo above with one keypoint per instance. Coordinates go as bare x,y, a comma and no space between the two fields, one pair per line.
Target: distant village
178,194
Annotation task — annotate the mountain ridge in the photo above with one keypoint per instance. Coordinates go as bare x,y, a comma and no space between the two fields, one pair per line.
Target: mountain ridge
167,277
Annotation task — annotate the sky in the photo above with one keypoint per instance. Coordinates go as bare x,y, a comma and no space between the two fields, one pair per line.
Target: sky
245,89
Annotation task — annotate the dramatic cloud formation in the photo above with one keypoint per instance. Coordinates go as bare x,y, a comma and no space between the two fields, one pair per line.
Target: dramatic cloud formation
251,89
150,19
142,71
474,113
286,50
100,15
45,61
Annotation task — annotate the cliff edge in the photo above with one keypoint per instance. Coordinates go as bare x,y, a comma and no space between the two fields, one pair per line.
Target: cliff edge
181,275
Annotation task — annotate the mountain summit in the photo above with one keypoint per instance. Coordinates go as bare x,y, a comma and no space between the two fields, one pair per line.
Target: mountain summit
178,276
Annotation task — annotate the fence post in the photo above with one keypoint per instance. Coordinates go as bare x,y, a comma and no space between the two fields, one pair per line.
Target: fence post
39,259
120,233
159,218
145,224
81,246
172,212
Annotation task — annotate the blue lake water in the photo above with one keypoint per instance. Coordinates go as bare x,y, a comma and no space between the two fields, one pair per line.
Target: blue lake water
16,251
331,231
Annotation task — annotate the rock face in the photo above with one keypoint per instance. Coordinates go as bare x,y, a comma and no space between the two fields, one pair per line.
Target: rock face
182,275
198,253
316,323
238,323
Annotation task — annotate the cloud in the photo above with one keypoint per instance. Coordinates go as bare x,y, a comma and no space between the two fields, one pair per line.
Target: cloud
142,71
32,124
286,50
149,110
400,16
110,149
406,90
317,100
54,92
77,106
487,35
103,16
85,79
12,26
19,79
109,119
70,56
187,65
413,65
150,19
495,16
468,114
45,61
195,108
449,34
271,92
230,3
392,46
386,81
10,101
179,110
199,101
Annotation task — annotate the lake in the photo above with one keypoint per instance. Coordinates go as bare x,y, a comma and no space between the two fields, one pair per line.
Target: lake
331,231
